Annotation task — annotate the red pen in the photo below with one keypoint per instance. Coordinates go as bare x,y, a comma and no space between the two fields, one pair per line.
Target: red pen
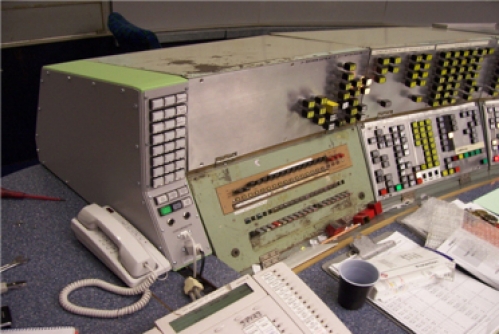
6,193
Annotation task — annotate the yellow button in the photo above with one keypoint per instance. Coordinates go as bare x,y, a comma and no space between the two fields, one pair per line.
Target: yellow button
435,157
432,142
430,165
425,147
423,166
430,134
417,143
451,171
417,136
461,156
415,130
423,134
445,172
425,141
421,123
436,163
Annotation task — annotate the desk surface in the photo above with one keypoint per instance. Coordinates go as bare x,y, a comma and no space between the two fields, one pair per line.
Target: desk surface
40,231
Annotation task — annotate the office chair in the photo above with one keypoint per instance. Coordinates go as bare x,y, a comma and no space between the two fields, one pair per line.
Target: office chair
129,36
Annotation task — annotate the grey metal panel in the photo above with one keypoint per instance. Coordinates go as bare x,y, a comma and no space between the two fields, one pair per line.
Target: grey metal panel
479,28
187,15
427,12
249,110
387,37
24,22
322,12
225,56
472,164
95,137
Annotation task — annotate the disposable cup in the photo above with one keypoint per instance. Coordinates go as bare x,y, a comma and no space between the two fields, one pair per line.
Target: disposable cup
357,277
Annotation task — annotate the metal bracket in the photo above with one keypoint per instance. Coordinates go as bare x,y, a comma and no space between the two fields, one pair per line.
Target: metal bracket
464,178
225,158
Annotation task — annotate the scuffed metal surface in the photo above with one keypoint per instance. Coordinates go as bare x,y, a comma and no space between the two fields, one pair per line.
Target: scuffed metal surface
205,59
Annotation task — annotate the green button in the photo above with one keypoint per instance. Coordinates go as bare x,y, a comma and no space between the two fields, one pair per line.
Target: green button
398,187
165,210
466,154
484,161
478,151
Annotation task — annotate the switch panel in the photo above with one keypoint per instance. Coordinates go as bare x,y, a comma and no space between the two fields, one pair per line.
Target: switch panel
273,201
491,123
405,153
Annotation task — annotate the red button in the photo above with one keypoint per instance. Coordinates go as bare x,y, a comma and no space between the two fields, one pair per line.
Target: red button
457,169
454,158
496,159
419,180
383,192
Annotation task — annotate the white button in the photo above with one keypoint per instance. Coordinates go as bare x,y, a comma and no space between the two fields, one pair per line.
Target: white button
158,171
158,161
186,202
172,195
157,150
495,142
170,100
180,132
157,139
169,124
170,112
169,157
180,121
156,103
181,110
182,97
180,143
183,191
157,127
158,182
169,135
157,116
180,174
180,164
169,178
180,154
160,199
169,168
169,146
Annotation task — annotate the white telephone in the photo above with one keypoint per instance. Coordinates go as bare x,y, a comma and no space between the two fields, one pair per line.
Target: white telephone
124,250
118,244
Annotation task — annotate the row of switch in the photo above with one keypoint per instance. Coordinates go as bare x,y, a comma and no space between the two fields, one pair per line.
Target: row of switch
167,101
453,67
160,115
281,173
297,200
300,214
493,116
168,139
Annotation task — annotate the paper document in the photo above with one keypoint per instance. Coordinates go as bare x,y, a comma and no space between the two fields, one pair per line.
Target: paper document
462,306
410,270
489,201
475,255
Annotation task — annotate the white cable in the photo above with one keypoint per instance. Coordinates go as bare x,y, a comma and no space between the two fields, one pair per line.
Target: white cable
194,253
99,313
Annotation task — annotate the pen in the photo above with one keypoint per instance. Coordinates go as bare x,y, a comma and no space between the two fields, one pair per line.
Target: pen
440,253
6,193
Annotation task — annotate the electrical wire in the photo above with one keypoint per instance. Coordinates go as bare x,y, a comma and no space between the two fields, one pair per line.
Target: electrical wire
203,260
142,288
194,254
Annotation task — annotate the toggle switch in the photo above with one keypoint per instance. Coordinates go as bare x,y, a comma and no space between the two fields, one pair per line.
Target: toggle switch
385,103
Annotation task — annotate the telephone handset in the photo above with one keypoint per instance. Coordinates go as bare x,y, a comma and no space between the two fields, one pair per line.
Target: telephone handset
118,244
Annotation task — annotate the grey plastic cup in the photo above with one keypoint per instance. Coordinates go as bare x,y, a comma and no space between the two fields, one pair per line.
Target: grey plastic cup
357,277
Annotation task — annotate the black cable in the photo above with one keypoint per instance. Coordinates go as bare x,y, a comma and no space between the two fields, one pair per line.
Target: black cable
203,258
